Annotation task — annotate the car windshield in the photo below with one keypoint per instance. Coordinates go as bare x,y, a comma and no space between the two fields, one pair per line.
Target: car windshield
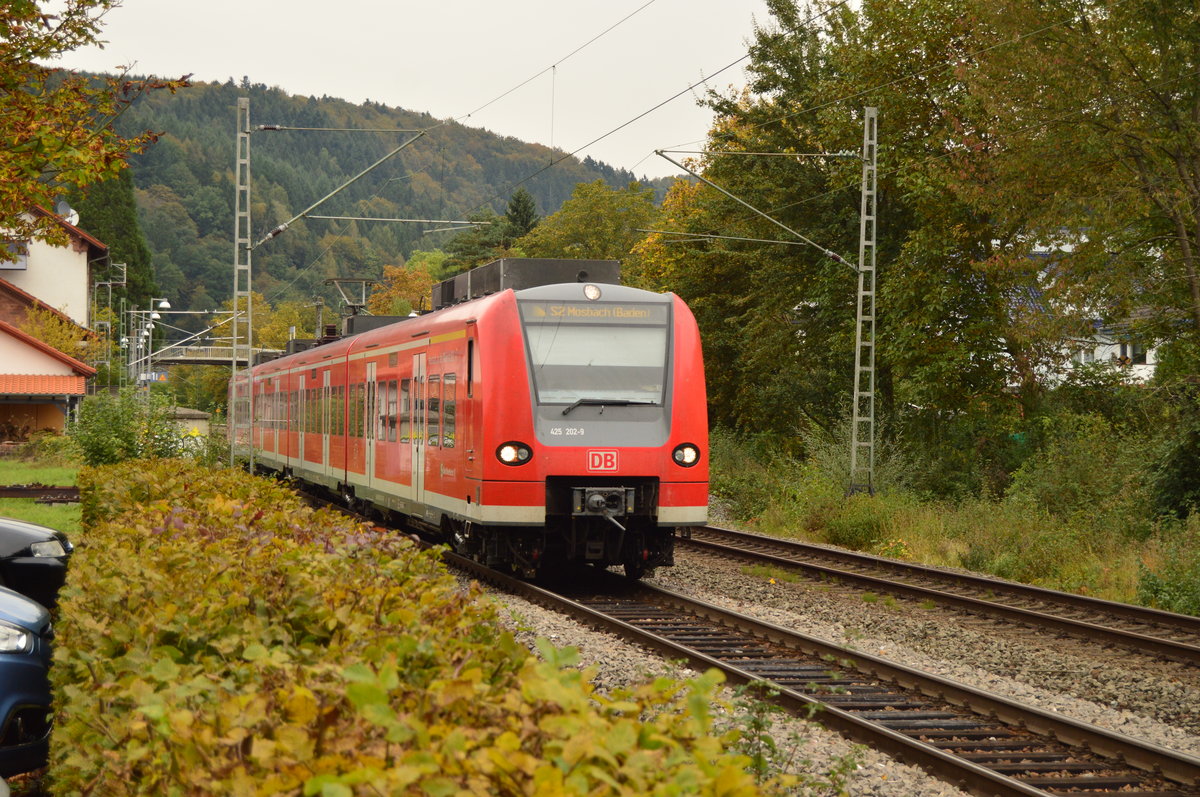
597,352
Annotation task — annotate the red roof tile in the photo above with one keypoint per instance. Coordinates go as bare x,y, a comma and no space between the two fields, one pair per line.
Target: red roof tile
41,385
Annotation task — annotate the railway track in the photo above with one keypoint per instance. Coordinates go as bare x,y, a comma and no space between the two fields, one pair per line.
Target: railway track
41,493
981,742
1141,629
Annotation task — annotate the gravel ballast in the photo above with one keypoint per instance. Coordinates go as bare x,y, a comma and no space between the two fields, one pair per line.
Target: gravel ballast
1121,691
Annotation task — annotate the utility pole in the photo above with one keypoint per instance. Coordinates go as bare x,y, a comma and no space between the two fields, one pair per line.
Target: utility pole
242,317
862,428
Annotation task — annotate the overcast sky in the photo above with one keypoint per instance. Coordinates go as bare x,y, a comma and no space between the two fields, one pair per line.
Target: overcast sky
452,58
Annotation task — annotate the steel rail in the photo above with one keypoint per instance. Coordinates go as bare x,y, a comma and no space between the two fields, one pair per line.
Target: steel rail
1142,642
1177,767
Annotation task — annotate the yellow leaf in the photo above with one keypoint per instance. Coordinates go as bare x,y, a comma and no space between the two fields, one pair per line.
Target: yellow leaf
302,705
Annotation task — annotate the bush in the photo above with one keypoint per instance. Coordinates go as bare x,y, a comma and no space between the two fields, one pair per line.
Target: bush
1170,571
112,428
217,637
1090,474
51,449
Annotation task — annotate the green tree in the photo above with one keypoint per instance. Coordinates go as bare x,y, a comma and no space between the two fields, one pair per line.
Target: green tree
481,243
1117,180
522,215
57,126
108,211
597,222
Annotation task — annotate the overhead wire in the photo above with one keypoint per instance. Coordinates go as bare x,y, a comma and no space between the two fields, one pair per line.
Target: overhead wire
552,68
535,76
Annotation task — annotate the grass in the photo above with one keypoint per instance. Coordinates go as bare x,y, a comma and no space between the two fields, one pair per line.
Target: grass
20,471
64,517
1099,549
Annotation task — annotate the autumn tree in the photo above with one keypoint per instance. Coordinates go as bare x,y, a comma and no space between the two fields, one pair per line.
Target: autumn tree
63,334
403,290
597,222
57,126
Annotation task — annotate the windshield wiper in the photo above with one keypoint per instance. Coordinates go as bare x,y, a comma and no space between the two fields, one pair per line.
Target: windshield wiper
602,403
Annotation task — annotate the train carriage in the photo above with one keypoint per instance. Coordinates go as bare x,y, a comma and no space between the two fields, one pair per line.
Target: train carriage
530,428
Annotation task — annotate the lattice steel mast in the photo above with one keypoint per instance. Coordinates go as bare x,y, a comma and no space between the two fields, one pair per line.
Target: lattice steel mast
242,316
862,434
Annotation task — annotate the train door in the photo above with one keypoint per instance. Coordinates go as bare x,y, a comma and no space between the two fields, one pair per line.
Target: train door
371,423
326,418
418,428
301,421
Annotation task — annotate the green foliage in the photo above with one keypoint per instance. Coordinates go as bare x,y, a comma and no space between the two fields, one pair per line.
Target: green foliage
113,427
1079,516
53,451
597,222
108,211
218,637
522,215
1088,473
1170,575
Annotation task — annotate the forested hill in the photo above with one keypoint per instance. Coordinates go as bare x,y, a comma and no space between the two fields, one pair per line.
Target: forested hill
185,186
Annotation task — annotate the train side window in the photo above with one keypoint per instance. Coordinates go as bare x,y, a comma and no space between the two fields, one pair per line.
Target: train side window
470,368
433,406
405,411
391,411
382,411
369,412
344,392
449,410
334,402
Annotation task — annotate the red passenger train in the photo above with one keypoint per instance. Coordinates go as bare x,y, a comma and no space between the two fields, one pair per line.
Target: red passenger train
530,428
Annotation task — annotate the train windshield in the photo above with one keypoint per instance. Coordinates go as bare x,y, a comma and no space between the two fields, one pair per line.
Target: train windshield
597,351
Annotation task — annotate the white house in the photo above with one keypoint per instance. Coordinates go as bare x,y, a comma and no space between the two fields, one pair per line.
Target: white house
58,276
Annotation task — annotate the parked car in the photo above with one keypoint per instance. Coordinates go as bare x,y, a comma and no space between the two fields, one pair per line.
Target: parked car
25,635
33,559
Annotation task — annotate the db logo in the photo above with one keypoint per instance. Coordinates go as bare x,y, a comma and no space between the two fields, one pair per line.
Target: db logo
602,460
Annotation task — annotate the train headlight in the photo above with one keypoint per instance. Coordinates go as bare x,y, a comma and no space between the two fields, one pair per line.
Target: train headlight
686,454
514,453
591,292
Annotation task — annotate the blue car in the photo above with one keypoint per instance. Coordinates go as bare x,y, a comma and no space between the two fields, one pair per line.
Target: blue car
25,634
33,559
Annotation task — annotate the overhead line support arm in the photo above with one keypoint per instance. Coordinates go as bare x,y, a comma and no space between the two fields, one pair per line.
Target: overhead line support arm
832,255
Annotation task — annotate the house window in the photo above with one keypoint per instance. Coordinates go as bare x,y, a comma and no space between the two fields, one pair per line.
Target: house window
1132,354
1084,356
19,250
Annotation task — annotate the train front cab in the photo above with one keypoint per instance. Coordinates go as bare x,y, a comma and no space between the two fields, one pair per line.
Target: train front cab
614,387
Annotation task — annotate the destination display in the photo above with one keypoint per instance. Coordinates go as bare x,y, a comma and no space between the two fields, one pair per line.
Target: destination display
592,312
